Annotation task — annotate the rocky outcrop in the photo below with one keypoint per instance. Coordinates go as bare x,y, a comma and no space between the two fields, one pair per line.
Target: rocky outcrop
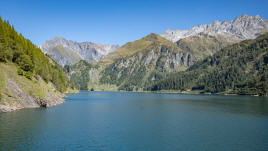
16,98
68,52
243,27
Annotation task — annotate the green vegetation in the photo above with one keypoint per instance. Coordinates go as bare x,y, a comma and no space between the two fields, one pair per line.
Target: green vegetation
204,45
2,82
241,69
67,54
148,64
150,42
30,60
81,74
138,63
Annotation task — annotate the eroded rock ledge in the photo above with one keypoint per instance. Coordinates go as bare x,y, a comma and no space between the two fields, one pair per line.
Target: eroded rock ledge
17,98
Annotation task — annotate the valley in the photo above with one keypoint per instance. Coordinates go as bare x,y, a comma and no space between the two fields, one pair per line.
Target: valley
227,57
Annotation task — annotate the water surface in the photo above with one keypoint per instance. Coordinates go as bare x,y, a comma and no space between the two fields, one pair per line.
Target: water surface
121,121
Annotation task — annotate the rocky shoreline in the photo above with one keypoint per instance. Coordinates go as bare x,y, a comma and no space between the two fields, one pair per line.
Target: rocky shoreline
17,98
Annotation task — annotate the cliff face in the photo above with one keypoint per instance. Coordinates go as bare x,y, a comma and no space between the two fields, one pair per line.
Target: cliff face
18,92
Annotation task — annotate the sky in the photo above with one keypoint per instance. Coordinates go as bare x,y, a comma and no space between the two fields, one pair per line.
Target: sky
118,21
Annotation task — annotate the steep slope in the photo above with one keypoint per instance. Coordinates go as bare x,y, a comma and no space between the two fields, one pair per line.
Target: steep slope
28,77
241,68
203,45
64,56
138,63
80,74
149,59
67,52
87,76
243,27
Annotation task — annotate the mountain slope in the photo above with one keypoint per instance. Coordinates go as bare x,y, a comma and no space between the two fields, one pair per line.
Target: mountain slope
243,27
203,45
138,63
28,78
241,68
67,52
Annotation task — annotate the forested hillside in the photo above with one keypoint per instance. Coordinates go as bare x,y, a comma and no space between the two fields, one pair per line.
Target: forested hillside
241,68
80,74
28,78
29,58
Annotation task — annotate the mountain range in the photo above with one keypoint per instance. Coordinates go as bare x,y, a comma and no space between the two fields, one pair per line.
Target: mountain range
227,57
68,52
203,40
138,64
242,28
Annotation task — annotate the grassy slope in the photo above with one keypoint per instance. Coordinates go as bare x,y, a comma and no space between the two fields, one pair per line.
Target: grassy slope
65,53
30,59
204,45
137,74
34,87
146,43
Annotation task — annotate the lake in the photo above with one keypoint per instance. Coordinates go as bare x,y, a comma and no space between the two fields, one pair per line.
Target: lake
127,121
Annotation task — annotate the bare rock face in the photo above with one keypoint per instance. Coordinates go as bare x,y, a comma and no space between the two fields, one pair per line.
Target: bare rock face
243,27
18,98
68,52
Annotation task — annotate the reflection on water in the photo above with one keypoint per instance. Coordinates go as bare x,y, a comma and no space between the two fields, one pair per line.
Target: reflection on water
140,121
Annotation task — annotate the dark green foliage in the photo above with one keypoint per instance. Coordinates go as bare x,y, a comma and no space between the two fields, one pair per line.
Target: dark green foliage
240,68
81,74
25,63
30,59
130,77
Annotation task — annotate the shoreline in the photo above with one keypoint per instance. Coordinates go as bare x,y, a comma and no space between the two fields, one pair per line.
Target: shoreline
177,92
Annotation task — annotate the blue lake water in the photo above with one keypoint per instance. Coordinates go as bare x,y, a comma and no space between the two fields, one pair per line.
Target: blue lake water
122,121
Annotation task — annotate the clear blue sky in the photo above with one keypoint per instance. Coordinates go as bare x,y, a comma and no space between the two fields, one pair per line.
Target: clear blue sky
118,21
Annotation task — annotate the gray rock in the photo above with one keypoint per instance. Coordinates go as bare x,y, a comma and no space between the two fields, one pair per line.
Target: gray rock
243,27
68,52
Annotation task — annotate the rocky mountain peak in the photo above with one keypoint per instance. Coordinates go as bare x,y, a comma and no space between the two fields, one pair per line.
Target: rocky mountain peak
242,27
69,52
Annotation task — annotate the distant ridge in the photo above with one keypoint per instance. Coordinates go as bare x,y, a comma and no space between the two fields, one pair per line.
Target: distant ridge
68,52
243,27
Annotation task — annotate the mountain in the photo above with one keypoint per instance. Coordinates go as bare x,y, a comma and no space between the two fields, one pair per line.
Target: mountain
243,27
28,78
137,65
203,44
67,52
240,69
141,62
